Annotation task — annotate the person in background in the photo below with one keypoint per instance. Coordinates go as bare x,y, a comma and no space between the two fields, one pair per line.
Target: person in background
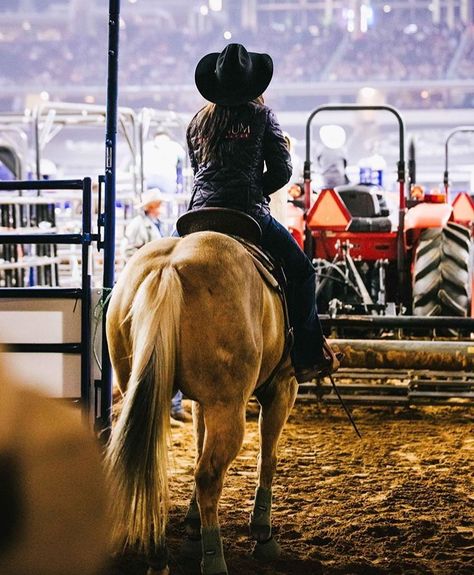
143,228
239,158
333,166
146,225
163,160
5,172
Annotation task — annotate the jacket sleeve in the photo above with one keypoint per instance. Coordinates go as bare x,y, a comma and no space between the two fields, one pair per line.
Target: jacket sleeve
276,156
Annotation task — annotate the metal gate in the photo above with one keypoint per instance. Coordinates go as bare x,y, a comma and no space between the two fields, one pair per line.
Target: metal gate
35,236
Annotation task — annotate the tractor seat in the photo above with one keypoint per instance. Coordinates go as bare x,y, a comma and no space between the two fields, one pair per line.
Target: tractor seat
370,225
367,207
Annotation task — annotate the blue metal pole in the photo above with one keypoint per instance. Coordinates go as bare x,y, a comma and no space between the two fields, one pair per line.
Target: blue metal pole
86,299
109,204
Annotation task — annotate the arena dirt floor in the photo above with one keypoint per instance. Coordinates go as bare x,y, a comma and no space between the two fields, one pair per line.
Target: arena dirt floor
399,501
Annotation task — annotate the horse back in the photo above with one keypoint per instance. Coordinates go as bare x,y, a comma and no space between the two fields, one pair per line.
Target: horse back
232,322
232,327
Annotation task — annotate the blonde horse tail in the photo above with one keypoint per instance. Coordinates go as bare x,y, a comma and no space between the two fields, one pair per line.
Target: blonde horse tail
138,449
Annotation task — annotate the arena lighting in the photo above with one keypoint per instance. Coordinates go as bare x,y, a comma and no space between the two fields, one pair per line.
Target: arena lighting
44,96
387,8
227,35
26,26
349,15
215,5
366,17
332,136
204,10
367,95
410,29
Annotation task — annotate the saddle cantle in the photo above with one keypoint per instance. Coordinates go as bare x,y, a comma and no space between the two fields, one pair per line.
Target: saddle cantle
241,227
224,220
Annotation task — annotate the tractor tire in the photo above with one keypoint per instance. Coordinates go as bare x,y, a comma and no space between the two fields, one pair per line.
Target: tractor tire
442,272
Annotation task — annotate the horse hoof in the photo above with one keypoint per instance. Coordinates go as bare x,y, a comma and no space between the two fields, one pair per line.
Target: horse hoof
191,548
268,551
192,528
152,571
205,571
260,533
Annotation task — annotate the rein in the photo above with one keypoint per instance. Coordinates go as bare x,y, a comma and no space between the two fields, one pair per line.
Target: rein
346,409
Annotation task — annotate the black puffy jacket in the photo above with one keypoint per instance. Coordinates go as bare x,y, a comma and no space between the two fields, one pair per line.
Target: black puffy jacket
253,143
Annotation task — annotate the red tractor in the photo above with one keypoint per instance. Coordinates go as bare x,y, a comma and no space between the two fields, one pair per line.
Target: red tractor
366,265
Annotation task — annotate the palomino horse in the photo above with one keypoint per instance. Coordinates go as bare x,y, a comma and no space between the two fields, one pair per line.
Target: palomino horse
194,313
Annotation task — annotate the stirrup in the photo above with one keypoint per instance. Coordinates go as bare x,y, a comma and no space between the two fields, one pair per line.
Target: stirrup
332,359
330,363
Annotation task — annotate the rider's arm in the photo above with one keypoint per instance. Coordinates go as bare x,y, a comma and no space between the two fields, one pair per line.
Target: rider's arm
276,156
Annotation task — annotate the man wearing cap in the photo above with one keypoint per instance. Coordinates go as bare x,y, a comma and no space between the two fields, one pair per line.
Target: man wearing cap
143,228
146,225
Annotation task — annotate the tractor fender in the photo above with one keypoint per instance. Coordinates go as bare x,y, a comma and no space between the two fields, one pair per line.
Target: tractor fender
424,216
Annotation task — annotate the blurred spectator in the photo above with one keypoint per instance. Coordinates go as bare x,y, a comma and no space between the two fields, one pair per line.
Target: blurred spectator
53,497
401,45
163,160
5,173
333,165
143,228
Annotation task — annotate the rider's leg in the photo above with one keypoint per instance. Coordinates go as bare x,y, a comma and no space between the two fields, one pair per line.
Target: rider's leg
309,339
301,276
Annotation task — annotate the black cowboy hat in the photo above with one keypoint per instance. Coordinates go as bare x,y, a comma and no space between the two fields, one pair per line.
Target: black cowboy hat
234,76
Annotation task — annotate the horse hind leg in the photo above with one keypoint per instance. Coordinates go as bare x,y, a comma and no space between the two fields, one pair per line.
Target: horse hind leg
192,521
225,426
276,406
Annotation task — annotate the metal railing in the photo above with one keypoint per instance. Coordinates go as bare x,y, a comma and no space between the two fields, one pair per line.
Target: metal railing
84,238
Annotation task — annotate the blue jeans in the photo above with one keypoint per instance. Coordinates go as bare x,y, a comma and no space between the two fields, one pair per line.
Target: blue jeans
177,402
301,278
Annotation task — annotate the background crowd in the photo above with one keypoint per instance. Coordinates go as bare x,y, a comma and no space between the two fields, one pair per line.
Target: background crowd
399,46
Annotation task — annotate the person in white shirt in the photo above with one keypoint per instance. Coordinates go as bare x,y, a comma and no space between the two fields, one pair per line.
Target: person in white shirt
163,159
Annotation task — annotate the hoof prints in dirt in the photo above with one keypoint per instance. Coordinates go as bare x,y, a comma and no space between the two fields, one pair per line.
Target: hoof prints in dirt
397,503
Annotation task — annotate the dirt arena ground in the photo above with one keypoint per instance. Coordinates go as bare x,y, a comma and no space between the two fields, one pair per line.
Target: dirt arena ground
399,501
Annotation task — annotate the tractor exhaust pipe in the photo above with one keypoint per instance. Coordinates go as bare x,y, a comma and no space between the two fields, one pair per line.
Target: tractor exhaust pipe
406,354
